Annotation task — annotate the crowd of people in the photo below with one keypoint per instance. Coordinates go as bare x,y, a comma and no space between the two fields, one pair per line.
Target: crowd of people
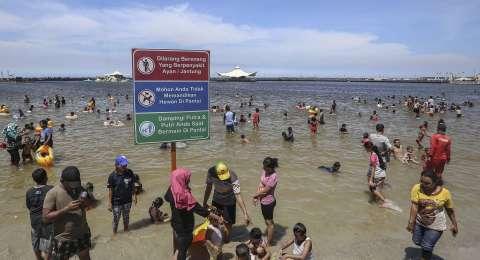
58,213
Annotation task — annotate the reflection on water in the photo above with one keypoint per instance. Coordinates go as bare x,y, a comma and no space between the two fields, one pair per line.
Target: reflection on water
335,209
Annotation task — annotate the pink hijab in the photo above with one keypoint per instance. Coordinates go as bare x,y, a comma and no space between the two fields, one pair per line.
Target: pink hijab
182,195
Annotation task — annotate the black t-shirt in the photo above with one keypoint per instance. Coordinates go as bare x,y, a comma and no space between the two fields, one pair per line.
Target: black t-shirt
34,199
182,220
223,191
122,186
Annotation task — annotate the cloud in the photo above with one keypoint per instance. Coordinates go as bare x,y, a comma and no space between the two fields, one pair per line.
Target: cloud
52,38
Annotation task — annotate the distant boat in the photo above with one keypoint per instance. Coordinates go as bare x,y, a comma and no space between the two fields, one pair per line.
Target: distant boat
88,80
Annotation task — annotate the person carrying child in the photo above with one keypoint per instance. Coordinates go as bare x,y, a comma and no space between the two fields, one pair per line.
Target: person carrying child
156,215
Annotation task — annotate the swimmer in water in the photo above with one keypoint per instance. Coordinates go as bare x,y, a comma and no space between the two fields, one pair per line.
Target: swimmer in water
288,136
343,129
374,116
243,139
365,137
334,169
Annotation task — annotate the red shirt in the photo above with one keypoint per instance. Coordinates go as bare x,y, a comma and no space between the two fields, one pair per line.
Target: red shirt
440,147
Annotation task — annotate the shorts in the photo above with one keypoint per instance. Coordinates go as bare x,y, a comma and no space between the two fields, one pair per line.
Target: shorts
40,240
377,182
229,212
437,165
267,210
68,248
425,237
230,128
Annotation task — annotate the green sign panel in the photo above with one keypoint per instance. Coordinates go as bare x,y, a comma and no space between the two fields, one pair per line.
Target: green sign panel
172,126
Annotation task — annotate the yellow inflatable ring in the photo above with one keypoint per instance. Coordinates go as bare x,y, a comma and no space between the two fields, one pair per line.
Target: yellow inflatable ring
44,156
200,232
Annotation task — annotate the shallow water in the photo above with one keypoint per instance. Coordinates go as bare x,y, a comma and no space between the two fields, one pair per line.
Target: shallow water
335,209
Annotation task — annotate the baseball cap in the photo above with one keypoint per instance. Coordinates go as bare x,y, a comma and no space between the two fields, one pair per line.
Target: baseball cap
121,160
71,174
222,171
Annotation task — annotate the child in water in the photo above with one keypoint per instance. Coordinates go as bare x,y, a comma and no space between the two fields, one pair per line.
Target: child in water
374,116
288,136
365,137
334,169
62,128
256,118
343,129
257,246
409,156
397,150
243,139
156,215
214,238
313,125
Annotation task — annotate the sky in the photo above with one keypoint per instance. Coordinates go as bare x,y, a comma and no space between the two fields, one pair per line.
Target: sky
275,38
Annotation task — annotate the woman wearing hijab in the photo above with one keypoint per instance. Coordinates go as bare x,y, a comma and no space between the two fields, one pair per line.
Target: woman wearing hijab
183,205
12,139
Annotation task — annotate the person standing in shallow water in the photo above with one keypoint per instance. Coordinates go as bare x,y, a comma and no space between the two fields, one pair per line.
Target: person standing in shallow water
229,120
41,233
226,195
266,194
429,201
121,192
65,208
376,172
440,145
182,206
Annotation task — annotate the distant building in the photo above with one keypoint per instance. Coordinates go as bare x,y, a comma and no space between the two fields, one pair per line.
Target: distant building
237,74
116,76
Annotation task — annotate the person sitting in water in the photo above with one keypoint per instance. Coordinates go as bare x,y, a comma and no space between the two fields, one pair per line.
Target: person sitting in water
289,135
72,116
109,122
409,156
257,245
374,116
156,215
243,139
302,245
129,118
343,129
334,169
62,128
242,119
458,110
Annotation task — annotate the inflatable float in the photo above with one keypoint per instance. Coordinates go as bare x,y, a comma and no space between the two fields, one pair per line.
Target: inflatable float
4,111
44,156
200,232
312,111
71,117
